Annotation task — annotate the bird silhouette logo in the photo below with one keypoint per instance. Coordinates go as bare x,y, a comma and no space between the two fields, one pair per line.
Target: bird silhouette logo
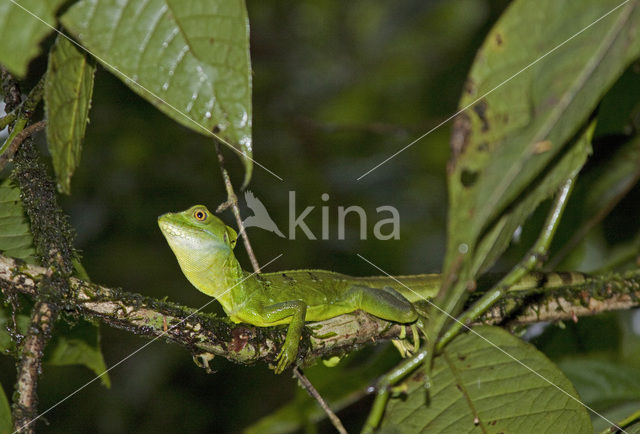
260,218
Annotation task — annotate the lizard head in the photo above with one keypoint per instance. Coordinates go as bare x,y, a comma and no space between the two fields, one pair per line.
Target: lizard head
196,230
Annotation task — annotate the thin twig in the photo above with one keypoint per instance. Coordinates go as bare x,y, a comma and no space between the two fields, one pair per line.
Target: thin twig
7,156
24,113
592,222
306,384
232,201
7,119
532,260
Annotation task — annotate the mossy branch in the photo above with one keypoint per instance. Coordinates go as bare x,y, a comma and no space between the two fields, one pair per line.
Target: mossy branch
205,334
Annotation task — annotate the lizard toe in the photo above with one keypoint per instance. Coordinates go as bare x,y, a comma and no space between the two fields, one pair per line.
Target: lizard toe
283,362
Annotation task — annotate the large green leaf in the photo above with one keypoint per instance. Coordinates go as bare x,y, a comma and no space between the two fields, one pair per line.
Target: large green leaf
67,96
6,425
476,387
188,58
21,31
15,235
515,133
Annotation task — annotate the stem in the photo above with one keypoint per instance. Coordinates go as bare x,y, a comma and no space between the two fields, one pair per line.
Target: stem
52,239
403,369
17,141
244,343
306,384
232,201
592,222
7,119
528,263
30,365
24,113
531,261
628,422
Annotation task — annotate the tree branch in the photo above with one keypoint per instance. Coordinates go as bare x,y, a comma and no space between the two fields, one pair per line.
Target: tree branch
52,239
20,137
241,343
26,401
232,201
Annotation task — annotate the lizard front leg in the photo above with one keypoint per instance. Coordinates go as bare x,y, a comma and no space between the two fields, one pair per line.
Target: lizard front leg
297,310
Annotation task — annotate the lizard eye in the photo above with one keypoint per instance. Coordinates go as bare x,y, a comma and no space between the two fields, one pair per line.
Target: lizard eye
200,215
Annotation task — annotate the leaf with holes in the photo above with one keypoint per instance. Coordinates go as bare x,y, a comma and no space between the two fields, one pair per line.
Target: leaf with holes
67,96
477,387
22,29
15,235
515,130
188,58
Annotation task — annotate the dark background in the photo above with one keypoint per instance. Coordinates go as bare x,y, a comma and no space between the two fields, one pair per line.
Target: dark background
338,87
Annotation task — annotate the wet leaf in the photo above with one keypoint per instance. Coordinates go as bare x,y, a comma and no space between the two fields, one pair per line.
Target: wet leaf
21,31
188,58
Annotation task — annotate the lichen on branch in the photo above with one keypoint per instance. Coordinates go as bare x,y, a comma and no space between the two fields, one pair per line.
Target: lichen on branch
201,332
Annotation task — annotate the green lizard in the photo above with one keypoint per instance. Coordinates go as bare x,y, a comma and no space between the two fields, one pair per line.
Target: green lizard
203,245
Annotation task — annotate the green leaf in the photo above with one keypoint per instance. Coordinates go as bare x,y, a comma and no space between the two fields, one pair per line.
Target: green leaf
495,241
478,388
22,29
15,235
188,58
6,425
67,95
510,137
77,345
602,383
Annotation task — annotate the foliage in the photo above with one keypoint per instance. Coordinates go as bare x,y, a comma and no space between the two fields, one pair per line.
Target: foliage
337,87
490,381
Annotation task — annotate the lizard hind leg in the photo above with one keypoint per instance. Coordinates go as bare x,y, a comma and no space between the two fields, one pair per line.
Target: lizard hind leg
384,303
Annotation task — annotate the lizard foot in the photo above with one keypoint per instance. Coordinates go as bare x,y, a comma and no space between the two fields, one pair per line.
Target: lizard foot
404,346
284,359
